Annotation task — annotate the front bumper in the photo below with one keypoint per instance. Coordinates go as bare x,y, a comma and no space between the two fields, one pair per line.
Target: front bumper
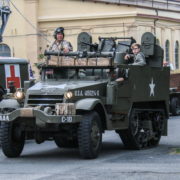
41,117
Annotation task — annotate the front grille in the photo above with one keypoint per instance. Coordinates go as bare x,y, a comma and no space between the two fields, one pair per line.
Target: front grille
45,100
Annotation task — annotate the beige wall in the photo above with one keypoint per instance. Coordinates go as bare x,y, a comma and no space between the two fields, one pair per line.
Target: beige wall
75,16
14,34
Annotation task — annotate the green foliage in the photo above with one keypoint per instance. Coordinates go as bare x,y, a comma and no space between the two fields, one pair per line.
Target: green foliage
40,56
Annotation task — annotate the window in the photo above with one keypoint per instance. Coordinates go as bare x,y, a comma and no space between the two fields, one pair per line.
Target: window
157,42
176,54
5,50
167,51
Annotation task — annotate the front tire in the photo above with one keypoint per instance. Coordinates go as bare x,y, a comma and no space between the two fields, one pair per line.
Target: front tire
90,135
12,139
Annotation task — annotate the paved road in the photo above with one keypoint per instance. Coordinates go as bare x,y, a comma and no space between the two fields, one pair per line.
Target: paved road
47,162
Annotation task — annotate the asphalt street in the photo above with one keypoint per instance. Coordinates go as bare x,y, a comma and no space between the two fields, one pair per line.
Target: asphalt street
47,162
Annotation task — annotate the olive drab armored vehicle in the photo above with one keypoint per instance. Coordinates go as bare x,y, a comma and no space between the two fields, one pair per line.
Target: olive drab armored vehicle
78,99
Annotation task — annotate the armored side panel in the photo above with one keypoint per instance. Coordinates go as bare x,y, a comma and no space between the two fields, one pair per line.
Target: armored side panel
148,41
86,38
145,88
119,58
122,48
106,45
157,59
125,46
148,84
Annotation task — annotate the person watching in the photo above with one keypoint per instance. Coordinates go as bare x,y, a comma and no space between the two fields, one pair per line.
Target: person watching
60,44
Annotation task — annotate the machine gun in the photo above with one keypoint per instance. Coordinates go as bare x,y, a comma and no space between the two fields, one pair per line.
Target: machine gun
93,46
108,44
116,38
119,46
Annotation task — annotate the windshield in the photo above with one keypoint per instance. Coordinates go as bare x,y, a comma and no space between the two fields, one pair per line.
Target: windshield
67,73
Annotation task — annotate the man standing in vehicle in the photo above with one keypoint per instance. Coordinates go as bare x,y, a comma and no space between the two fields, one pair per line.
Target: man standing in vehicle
138,59
138,56
60,44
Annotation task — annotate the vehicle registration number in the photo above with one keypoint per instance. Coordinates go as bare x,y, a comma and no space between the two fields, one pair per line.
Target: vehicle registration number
66,119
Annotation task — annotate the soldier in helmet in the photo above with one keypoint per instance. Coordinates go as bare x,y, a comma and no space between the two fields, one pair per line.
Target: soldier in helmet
60,44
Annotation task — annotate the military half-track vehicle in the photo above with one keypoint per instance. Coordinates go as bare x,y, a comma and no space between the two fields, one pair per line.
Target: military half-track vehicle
78,99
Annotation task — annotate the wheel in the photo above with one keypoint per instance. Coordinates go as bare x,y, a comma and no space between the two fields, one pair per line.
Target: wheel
134,137
90,135
63,142
12,139
144,130
174,104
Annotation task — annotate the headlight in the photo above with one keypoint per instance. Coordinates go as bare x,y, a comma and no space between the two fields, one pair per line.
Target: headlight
19,95
68,95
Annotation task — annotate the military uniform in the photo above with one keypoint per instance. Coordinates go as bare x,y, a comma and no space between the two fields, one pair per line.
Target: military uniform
60,46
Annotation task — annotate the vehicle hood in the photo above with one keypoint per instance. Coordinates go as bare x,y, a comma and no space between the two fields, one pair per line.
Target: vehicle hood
59,87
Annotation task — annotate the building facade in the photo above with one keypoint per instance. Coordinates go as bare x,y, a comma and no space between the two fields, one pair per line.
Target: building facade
32,23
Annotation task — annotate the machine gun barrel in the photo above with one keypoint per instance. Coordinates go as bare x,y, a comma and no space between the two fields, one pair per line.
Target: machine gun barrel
90,44
80,54
60,53
115,38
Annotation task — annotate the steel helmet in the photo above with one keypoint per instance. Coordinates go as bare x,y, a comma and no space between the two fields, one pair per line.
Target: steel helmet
58,30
